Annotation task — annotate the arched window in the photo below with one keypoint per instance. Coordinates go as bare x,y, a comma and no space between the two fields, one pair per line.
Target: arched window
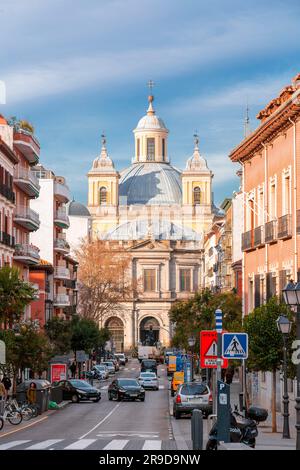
197,195
103,195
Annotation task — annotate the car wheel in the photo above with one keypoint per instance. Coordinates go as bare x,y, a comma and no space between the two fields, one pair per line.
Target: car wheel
75,398
119,398
172,393
109,397
143,399
96,400
177,415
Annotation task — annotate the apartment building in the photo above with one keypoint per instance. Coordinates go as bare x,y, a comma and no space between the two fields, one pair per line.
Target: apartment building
270,158
51,238
8,160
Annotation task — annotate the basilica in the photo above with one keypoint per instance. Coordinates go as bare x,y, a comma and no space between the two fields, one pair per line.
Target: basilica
160,215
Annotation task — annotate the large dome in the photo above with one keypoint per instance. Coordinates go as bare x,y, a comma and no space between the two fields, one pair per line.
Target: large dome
77,209
150,184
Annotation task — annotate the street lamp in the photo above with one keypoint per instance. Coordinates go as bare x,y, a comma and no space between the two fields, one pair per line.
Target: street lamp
284,327
291,295
191,343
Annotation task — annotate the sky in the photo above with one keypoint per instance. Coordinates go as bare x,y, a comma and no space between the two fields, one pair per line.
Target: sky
76,68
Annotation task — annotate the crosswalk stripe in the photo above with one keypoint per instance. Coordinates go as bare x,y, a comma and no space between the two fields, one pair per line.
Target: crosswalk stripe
80,444
152,445
116,444
161,387
133,368
44,444
126,368
11,444
105,387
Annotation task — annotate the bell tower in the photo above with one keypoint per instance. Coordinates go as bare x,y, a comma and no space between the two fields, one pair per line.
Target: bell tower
196,179
103,181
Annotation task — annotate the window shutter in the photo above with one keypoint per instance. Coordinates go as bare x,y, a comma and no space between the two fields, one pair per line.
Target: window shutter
269,286
256,290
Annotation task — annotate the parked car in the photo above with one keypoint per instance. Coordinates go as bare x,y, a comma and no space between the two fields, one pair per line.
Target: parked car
111,367
121,389
191,396
122,358
148,380
149,365
101,370
77,390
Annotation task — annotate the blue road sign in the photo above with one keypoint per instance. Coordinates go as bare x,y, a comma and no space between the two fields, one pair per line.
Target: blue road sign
235,345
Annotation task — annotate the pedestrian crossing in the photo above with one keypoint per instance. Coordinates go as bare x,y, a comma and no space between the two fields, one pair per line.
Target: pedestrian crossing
90,444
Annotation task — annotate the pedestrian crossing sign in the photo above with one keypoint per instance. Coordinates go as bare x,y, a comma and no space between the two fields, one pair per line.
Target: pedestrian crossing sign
235,345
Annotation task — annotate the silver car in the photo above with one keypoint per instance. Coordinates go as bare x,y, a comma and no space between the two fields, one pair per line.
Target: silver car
191,396
148,380
102,370
111,367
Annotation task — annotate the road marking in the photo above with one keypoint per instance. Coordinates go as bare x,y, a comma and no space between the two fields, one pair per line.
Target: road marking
24,427
116,444
161,387
104,388
9,445
129,434
152,445
81,444
133,368
126,368
44,444
101,422
162,370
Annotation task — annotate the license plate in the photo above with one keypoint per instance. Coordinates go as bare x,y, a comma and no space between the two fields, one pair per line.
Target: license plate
195,400
133,395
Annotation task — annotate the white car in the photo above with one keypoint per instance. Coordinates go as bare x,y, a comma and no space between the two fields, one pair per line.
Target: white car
121,357
111,367
102,370
148,380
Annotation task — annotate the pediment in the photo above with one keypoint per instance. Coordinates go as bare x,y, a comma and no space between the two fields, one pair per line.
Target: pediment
151,245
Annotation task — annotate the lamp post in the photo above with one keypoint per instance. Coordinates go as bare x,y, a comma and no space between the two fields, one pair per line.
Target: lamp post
291,295
192,342
284,327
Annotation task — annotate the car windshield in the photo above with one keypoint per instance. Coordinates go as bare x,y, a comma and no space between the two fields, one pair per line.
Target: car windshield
110,364
148,375
101,367
149,363
128,383
194,389
79,384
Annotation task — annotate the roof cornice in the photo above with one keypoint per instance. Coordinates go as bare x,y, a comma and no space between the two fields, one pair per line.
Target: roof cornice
8,152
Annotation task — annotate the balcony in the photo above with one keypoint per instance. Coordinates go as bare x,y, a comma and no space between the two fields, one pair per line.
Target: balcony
70,284
7,192
61,219
270,232
27,144
26,180
27,254
284,227
61,300
61,273
61,246
248,240
27,218
7,239
258,237
61,191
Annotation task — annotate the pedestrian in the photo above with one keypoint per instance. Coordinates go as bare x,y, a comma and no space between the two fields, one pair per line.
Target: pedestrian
73,369
31,393
2,391
7,383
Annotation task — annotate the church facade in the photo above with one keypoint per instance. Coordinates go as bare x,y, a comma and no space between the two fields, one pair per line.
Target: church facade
160,215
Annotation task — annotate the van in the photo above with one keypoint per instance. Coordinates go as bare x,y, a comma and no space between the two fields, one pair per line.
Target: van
149,365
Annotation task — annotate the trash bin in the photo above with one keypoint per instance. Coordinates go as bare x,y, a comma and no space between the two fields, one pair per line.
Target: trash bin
43,388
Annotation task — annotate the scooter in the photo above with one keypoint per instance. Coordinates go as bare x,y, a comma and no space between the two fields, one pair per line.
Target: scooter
243,429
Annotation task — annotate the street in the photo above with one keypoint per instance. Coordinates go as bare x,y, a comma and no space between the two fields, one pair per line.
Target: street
107,425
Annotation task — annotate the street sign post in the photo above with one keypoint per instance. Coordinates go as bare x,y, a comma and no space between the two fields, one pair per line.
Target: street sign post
223,412
235,345
209,349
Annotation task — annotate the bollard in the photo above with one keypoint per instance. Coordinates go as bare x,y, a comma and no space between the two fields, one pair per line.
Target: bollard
197,430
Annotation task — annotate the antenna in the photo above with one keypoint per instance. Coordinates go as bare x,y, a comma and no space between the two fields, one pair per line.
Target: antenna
247,122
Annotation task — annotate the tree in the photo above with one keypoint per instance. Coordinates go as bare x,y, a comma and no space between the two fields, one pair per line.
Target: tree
59,332
85,335
104,280
15,295
28,348
197,313
265,343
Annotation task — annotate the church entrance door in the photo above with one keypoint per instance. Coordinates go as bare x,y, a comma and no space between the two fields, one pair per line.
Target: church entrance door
149,331
116,329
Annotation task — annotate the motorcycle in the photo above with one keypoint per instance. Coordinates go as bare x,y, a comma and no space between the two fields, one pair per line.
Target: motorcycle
243,429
